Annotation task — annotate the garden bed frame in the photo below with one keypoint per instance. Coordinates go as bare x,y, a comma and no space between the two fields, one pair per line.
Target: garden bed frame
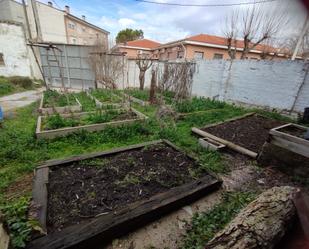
100,104
50,134
229,144
61,109
95,232
292,143
136,100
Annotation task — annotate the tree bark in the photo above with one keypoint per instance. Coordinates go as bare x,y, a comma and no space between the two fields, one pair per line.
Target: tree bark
141,79
261,225
153,85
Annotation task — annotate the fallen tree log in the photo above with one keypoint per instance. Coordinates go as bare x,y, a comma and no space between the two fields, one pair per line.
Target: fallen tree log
261,225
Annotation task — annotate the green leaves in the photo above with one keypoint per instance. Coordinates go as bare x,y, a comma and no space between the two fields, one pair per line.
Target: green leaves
129,35
205,225
16,217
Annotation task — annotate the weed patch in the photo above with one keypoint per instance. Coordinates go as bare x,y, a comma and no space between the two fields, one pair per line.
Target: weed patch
205,225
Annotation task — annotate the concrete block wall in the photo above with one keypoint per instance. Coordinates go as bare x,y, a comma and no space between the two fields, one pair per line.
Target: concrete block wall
270,84
14,49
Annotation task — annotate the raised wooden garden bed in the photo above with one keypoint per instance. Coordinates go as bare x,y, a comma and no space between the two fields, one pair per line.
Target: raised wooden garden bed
136,100
245,134
291,137
86,201
59,109
126,116
104,105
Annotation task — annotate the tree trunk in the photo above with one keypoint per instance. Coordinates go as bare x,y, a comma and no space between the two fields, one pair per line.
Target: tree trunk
153,85
141,79
261,225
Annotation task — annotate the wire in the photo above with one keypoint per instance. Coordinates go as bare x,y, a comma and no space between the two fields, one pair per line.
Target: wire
206,5
56,4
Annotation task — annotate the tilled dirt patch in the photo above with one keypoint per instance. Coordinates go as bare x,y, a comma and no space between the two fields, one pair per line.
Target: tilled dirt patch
93,187
250,132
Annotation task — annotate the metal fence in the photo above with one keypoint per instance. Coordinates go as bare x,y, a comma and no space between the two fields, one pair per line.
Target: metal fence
70,63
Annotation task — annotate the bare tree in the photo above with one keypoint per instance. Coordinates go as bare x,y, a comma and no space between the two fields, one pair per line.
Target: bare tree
153,86
253,27
178,77
230,33
143,62
107,67
290,45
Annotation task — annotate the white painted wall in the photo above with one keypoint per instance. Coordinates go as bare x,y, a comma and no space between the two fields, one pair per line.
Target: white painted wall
13,46
271,84
51,22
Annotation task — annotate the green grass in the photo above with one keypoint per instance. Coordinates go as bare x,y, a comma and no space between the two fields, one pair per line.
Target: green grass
10,85
105,95
205,225
56,121
198,104
52,98
139,94
87,103
144,94
21,152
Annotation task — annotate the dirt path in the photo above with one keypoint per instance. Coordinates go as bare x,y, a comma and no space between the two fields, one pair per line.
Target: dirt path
11,102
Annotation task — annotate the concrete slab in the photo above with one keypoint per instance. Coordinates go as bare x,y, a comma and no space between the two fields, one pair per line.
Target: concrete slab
12,102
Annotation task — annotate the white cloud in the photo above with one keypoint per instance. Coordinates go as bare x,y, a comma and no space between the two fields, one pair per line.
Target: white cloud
166,23
126,22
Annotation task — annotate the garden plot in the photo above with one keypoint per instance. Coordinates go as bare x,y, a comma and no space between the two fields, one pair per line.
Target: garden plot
111,193
88,104
245,134
106,99
63,124
197,105
54,102
142,96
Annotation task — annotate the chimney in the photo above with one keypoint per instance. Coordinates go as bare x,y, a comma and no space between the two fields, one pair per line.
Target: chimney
84,17
67,9
50,4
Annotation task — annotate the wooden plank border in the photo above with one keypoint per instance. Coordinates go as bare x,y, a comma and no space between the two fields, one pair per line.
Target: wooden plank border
50,134
229,144
101,229
100,104
62,109
39,197
290,142
136,100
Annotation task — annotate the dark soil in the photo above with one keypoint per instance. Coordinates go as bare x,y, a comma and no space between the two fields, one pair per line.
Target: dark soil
294,131
91,187
250,132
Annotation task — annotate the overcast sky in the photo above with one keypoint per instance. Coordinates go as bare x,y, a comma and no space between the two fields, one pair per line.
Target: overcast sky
166,23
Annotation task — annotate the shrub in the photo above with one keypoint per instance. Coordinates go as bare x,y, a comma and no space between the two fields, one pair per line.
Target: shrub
24,82
5,86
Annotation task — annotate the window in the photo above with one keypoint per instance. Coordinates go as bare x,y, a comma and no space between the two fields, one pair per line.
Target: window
169,55
218,56
1,60
180,54
198,55
71,25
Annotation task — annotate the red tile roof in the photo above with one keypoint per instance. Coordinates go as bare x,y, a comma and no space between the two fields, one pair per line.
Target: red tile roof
218,40
143,43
